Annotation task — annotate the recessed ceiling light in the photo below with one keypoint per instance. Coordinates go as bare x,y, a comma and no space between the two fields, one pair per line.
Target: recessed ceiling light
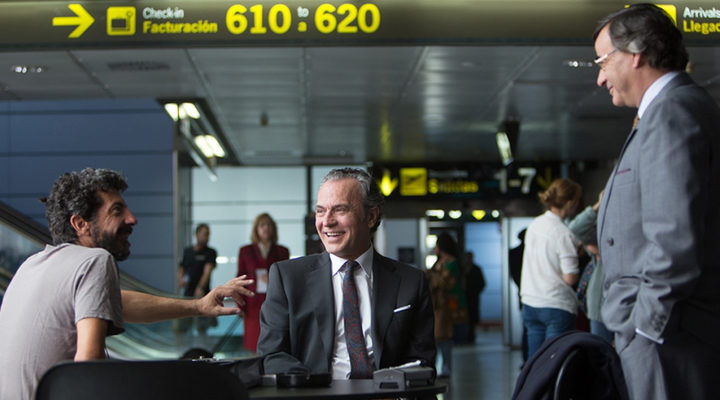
578,64
28,69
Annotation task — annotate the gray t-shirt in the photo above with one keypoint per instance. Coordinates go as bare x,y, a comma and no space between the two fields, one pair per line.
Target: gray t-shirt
51,291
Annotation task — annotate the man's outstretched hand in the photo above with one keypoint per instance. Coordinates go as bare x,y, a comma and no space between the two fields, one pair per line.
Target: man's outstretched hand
212,304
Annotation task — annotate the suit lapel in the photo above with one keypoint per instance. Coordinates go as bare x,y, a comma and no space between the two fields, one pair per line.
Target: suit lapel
319,287
385,288
680,80
608,188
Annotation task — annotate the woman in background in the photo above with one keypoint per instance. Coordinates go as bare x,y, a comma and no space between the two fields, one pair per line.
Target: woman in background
448,298
254,261
550,266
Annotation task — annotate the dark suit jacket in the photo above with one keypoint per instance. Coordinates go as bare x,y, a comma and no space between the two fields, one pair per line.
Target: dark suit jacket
297,319
659,220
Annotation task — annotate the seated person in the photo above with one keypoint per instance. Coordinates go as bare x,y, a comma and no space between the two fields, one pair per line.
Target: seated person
349,310
64,300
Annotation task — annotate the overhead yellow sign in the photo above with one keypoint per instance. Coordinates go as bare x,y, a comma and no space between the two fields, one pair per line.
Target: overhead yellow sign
413,181
387,183
54,23
82,19
120,21
670,10
463,180
478,214
546,180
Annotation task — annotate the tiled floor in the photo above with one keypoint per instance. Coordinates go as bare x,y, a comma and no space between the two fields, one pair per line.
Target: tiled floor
483,370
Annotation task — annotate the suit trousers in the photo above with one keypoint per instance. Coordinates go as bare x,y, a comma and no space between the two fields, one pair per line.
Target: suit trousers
683,367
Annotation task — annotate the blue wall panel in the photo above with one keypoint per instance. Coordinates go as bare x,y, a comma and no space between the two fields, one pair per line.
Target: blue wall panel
104,132
4,130
149,203
145,172
4,177
151,253
151,238
41,140
4,150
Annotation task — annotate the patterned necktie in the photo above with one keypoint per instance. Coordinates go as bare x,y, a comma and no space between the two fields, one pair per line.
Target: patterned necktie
635,121
360,366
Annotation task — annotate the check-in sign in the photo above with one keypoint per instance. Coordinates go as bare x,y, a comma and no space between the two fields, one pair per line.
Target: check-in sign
123,23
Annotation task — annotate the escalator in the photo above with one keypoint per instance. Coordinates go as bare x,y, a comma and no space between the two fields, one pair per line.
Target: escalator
21,237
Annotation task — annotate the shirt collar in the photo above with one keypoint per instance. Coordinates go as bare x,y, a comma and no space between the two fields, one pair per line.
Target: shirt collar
365,260
654,90
553,215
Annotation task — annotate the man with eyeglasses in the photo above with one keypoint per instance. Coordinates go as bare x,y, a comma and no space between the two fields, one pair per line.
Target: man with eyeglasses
660,213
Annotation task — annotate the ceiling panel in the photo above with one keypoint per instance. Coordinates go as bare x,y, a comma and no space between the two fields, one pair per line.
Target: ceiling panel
291,105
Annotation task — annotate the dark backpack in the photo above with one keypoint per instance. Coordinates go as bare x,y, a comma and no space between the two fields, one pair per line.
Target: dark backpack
595,371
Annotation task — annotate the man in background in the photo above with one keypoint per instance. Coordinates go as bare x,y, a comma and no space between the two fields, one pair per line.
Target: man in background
659,215
474,285
194,272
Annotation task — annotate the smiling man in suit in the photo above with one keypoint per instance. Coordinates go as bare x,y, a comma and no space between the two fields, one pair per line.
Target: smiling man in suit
307,321
660,213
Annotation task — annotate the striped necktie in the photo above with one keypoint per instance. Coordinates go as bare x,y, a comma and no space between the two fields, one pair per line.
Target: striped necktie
360,366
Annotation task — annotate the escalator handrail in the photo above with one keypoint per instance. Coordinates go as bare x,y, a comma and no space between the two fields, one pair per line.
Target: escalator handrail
22,223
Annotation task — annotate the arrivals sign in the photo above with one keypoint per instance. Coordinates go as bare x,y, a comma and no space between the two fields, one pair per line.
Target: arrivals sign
52,24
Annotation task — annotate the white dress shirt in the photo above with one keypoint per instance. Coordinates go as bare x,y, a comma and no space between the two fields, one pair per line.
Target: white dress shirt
363,283
653,90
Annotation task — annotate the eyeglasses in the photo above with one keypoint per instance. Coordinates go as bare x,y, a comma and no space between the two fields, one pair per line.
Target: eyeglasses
601,60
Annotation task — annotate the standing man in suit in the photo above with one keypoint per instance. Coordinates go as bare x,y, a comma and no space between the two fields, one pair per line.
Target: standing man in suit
659,217
303,322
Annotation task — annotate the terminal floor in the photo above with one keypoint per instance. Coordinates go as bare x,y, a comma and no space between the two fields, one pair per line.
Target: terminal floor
483,370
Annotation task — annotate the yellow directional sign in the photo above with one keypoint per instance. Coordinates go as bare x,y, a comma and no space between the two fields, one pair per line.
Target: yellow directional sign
478,214
231,23
387,183
413,181
545,181
83,20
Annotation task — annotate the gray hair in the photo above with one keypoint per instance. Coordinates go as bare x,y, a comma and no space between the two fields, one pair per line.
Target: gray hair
372,198
646,29
76,193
